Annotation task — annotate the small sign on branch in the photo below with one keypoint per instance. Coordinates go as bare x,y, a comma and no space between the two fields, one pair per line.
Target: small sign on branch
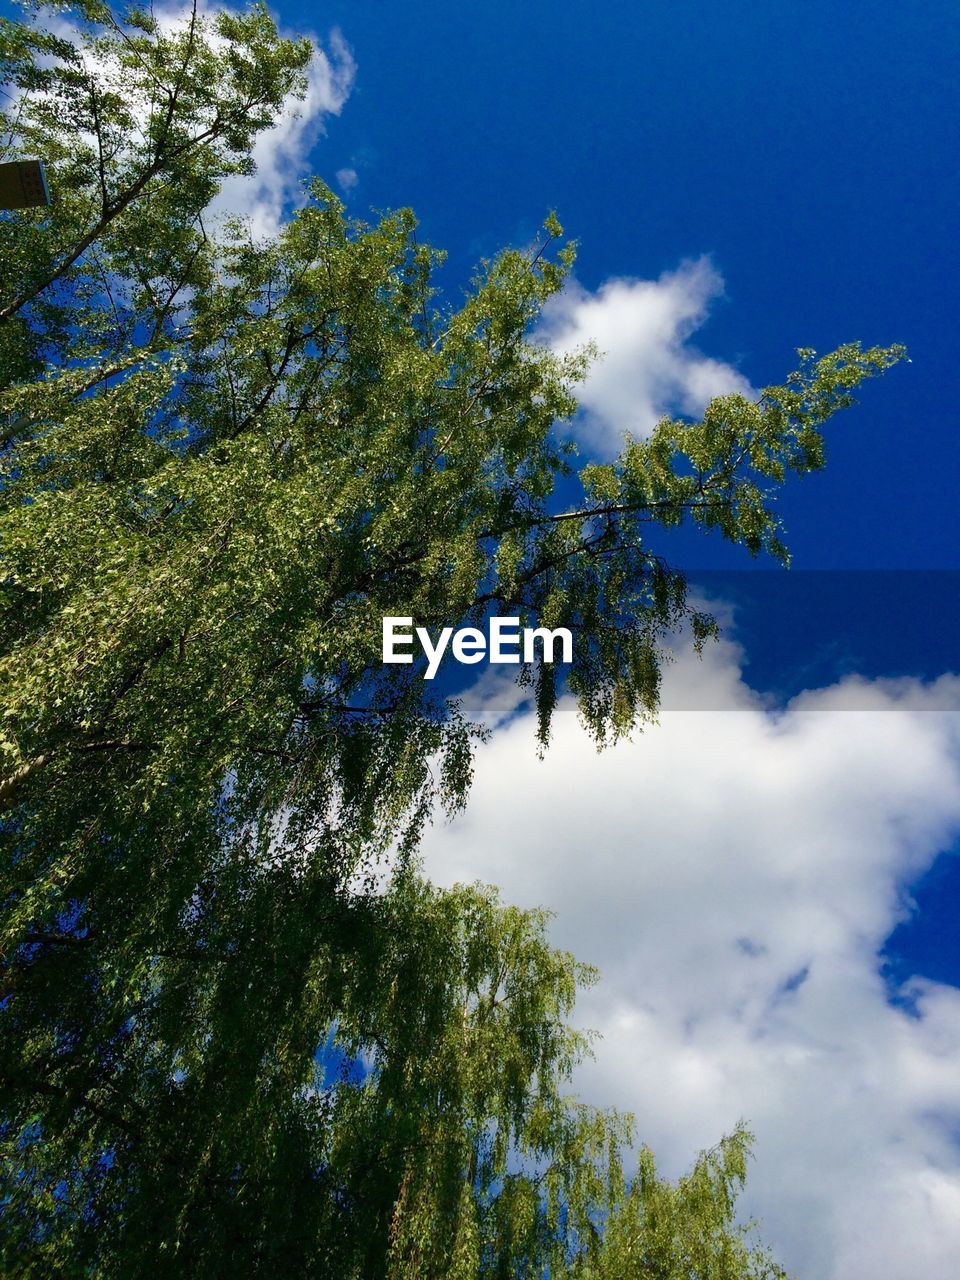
23,185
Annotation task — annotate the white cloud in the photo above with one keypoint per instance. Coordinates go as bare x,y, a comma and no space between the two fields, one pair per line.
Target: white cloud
347,179
647,368
735,874
281,153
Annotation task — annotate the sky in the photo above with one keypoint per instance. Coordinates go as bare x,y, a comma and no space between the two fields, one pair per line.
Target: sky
767,879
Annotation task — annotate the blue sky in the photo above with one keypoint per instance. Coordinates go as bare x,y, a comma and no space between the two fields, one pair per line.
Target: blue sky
769,885
810,150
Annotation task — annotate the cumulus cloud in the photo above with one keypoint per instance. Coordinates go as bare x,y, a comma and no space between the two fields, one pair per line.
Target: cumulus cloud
281,153
647,366
347,179
735,875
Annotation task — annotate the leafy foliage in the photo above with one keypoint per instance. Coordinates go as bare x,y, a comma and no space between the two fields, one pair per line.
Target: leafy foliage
443,1145
223,462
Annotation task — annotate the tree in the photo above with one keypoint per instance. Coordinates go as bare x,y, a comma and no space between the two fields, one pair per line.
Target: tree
223,462
435,1141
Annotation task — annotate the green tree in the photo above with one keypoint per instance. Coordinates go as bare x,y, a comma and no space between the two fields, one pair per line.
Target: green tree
223,462
214,1142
